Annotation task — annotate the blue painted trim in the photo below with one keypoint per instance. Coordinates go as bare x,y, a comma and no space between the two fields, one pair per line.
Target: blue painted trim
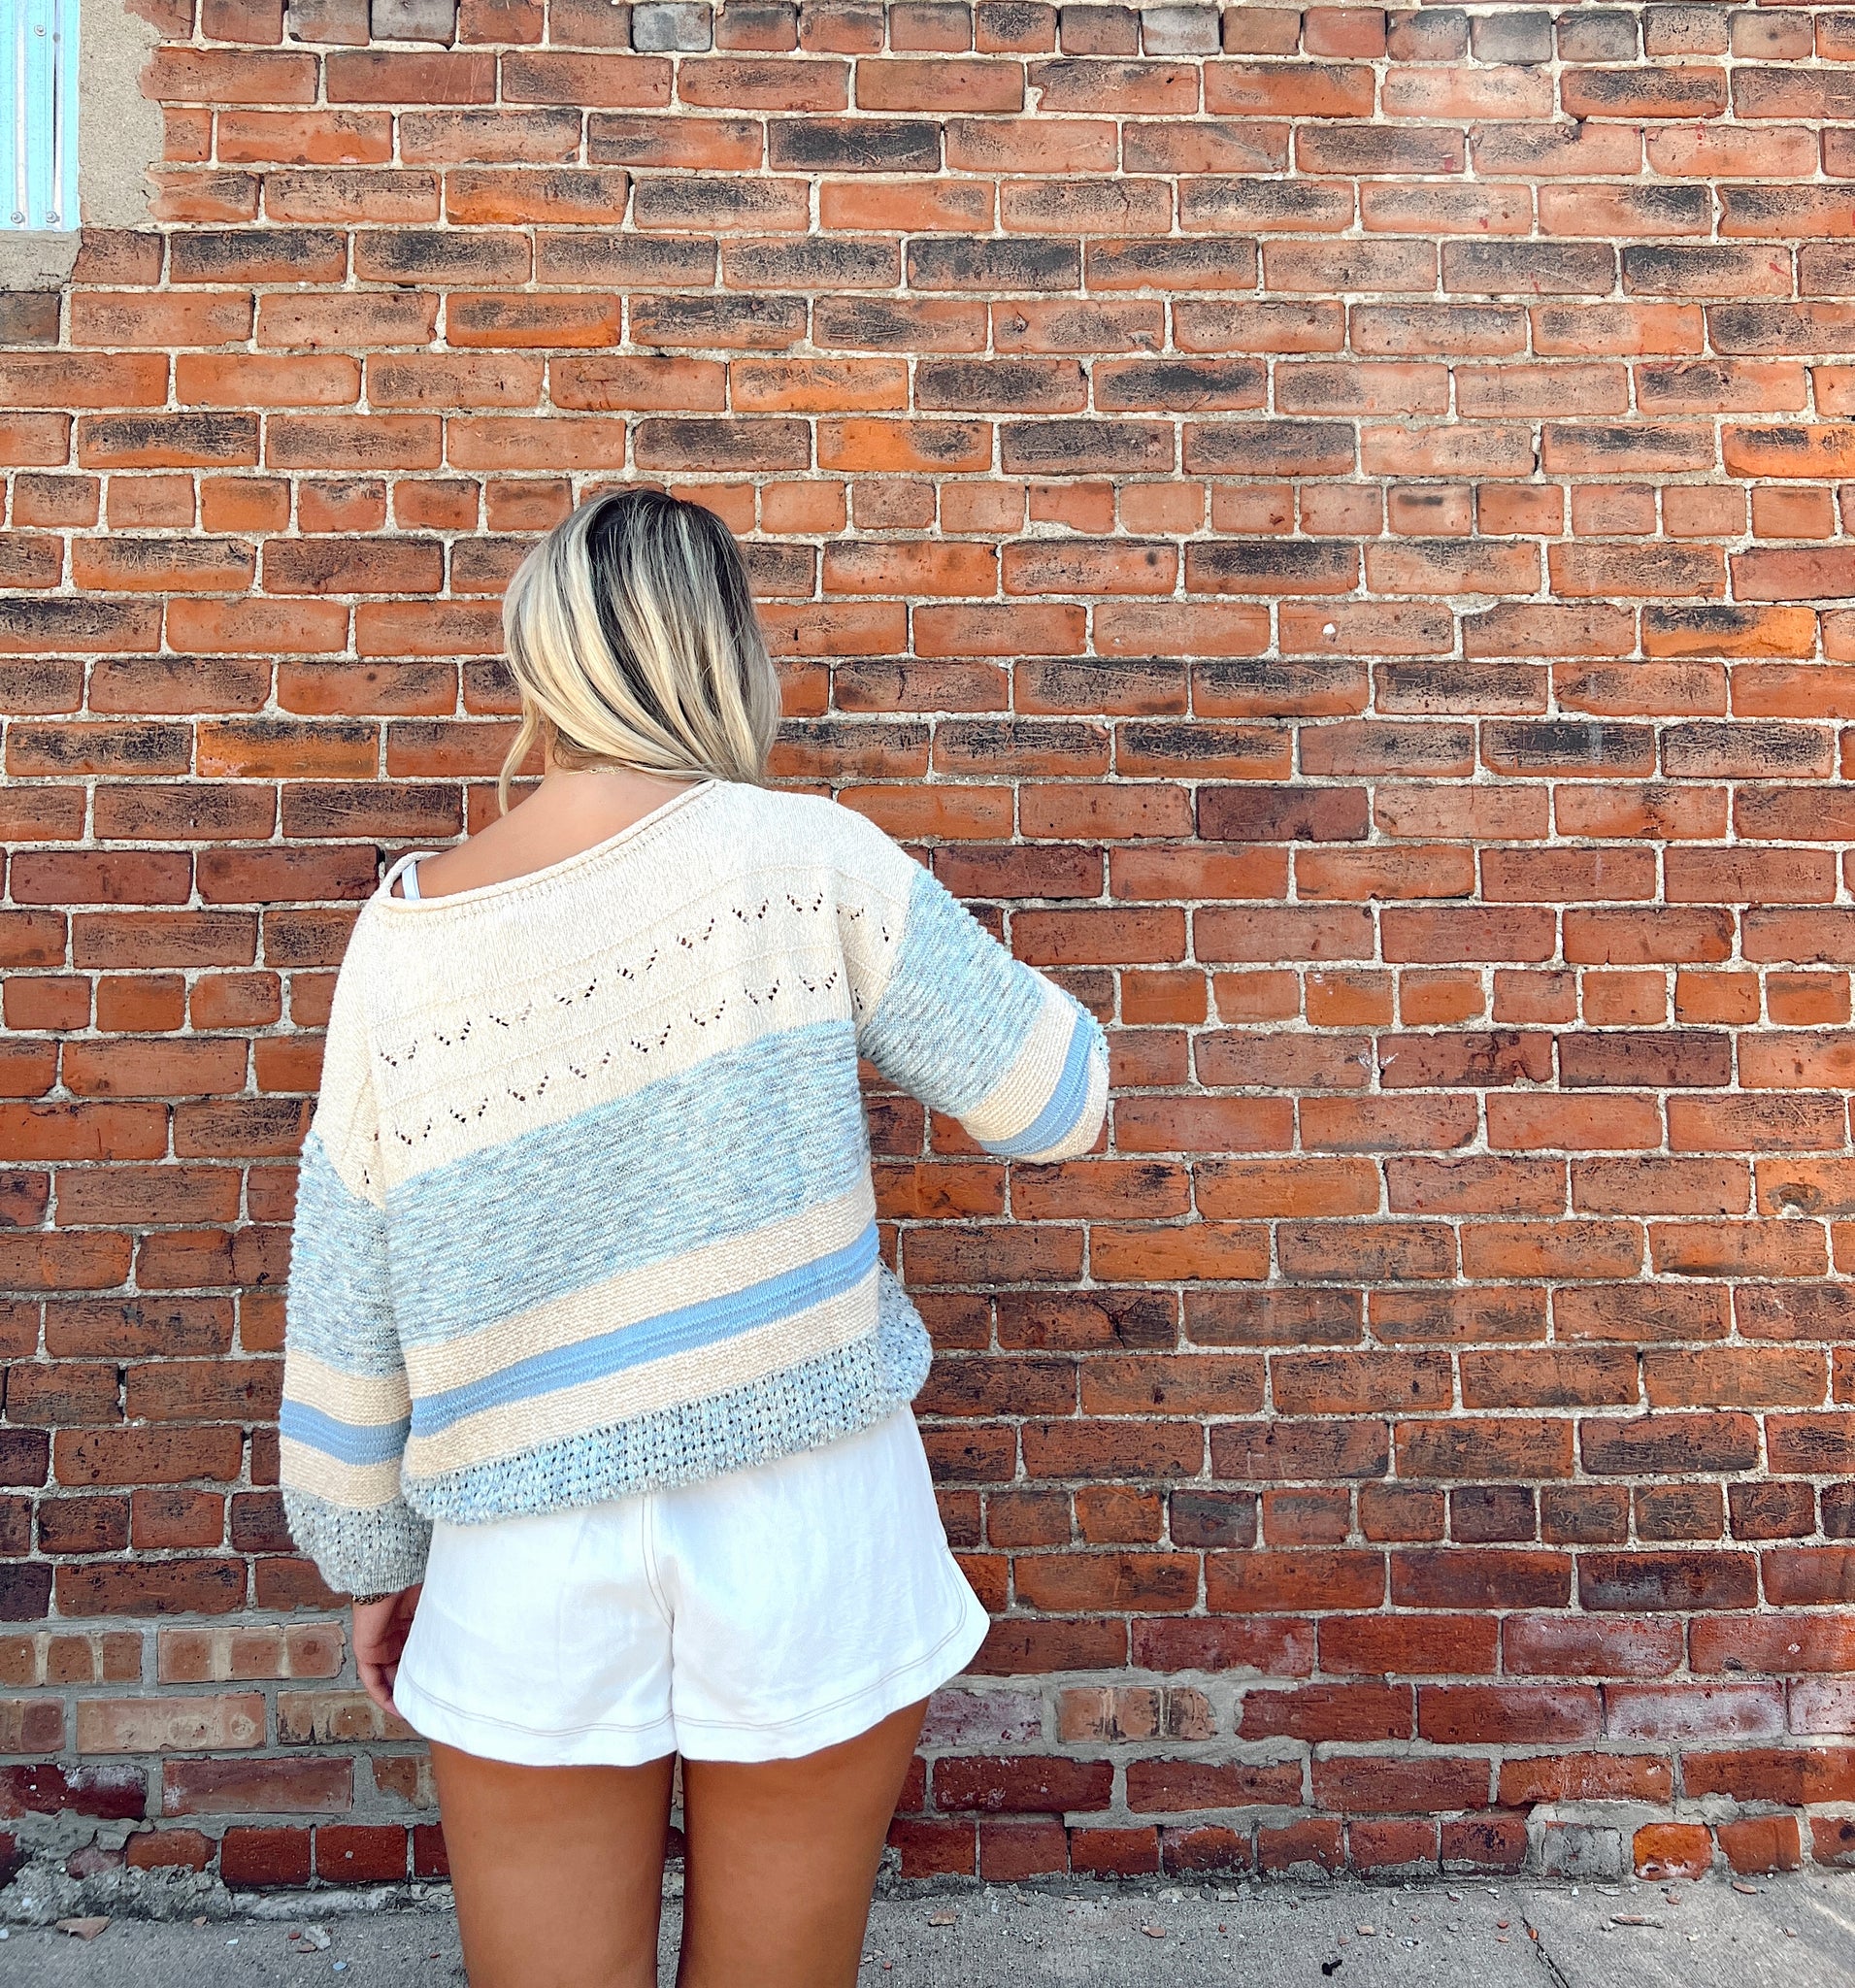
39,115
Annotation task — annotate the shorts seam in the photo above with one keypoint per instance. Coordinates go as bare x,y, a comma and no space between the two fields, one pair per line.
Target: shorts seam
647,1545
476,1718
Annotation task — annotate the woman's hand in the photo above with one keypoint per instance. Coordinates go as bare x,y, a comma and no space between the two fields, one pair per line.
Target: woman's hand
380,1635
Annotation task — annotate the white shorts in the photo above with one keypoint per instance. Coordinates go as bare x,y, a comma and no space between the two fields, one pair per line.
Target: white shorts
754,1615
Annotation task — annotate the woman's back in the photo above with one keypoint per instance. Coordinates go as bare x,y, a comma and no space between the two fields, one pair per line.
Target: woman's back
593,1136
558,817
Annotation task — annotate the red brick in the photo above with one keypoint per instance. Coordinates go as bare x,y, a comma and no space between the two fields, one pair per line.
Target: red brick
1672,1850
1761,1843
1114,1852
258,1858
1365,1784
1586,1777
1013,1850
1204,1847
1045,1786
1312,1845
930,1849
352,1854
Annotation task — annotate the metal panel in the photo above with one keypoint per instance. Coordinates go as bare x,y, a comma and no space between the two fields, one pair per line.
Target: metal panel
39,113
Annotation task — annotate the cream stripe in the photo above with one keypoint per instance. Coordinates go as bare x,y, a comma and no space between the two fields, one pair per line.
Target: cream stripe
863,906
439,1099
358,1398
664,1383
586,1059
717,1270
363,1486
619,921
1094,1106
695,978
1013,1103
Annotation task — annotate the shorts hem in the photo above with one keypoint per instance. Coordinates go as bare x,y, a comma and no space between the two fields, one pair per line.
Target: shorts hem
749,1740
600,1745
746,1742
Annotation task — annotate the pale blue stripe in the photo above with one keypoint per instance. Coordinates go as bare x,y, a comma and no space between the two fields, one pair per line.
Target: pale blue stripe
957,1009
746,1139
337,1305
688,1329
1061,1115
351,1442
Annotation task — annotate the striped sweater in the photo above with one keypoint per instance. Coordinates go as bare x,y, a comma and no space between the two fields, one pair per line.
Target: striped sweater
584,1205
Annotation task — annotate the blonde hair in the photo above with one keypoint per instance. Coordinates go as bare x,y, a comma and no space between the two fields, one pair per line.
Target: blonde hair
632,637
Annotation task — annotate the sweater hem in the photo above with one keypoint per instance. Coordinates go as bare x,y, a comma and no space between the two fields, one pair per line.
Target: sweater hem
812,1402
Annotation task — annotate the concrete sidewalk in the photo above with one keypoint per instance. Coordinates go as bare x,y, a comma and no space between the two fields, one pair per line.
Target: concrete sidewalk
1798,1932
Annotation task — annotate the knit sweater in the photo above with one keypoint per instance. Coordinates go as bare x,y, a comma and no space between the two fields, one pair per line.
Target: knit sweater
584,1206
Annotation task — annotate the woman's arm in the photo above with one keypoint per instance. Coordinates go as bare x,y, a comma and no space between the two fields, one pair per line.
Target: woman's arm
346,1407
946,1012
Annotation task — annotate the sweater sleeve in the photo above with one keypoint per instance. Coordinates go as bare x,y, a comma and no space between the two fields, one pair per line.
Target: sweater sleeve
346,1409
947,1013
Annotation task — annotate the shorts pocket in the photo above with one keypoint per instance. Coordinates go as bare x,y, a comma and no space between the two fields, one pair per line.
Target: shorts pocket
485,1637
810,1582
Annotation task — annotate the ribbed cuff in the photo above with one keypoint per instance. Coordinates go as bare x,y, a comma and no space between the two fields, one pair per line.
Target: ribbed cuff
359,1552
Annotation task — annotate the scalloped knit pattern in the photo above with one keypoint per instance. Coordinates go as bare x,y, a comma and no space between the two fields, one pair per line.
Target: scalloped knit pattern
586,1207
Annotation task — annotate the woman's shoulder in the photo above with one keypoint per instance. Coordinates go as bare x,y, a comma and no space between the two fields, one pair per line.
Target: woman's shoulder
809,828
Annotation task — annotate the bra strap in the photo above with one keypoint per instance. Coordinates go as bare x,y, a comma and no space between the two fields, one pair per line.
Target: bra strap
406,861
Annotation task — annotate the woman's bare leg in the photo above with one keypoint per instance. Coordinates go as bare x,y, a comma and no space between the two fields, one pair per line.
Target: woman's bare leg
559,1870
782,1858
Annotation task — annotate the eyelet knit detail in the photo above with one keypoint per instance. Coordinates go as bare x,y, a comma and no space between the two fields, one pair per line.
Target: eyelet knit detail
632,974
639,1047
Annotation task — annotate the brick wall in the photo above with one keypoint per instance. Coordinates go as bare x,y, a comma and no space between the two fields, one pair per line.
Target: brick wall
1327,525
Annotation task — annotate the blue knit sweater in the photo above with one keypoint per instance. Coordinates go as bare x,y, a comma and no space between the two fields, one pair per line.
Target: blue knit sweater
586,1207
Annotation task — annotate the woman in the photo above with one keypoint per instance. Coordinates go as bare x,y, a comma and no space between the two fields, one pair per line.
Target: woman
596,1393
